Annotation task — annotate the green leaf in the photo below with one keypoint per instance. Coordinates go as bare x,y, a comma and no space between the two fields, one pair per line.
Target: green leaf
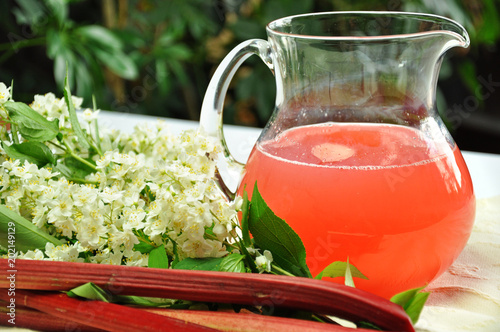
34,152
348,275
158,258
176,254
60,10
30,12
415,307
76,168
412,301
56,43
405,297
174,52
205,264
62,66
119,63
97,137
89,291
64,170
73,118
31,125
99,35
233,263
338,269
27,235
143,248
84,83
249,259
273,234
245,211
145,302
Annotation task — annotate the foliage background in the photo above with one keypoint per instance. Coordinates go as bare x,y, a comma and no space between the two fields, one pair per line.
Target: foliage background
156,57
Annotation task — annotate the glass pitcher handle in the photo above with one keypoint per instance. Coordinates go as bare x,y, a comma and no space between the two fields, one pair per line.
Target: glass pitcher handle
229,170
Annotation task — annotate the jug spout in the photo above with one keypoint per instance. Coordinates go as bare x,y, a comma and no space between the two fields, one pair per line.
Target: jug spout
452,35
344,65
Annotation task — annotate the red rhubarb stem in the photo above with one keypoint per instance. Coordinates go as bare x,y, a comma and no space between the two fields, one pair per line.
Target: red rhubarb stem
39,321
269,291
225,321
249,322
102,315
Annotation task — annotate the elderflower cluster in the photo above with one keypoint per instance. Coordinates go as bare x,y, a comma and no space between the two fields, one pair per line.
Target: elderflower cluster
52,107
149,187
5,95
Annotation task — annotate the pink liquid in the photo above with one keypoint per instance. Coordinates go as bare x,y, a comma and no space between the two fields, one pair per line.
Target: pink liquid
399,207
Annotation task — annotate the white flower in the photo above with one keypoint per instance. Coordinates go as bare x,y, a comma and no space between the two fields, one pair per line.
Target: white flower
118,238
149,183
88,115
91,229
63,253
39,215
137,259
133,218
26,171
202,248
46,173
37,254
4,93
107,256
263,262
54,108
61,206
84,196
105,160
111,194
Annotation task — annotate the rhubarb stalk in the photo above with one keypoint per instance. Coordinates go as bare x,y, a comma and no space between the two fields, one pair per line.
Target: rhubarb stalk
102,315
224,321
270,291
40,321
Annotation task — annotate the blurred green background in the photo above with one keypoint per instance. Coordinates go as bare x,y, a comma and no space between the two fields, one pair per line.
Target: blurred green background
156,57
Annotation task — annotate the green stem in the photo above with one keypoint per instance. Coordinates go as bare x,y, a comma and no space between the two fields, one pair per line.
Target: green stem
83,161
96,143
92,141
244,251
111,213
15,135
143,238
227,244
99,152
77,157
15,46
57,145
281,271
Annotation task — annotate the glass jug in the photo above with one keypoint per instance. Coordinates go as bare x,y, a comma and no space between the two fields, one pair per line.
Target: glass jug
355,157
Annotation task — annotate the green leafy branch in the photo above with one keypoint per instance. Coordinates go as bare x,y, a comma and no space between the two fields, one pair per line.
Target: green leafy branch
32,137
